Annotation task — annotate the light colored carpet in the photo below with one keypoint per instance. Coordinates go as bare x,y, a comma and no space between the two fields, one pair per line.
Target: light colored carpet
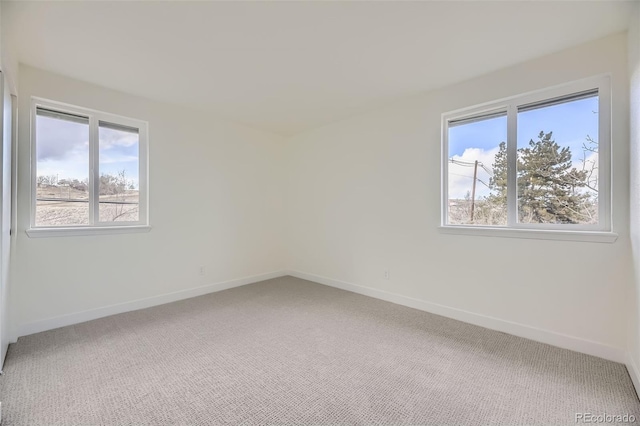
288,351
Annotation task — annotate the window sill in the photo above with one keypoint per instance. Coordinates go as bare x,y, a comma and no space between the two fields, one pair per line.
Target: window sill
89,230
536,234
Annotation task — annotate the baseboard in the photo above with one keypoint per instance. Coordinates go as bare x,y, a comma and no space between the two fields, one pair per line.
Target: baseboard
632,368
91,314
540,335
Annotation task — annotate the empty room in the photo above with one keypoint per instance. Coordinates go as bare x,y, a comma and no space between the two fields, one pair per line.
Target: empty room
319,212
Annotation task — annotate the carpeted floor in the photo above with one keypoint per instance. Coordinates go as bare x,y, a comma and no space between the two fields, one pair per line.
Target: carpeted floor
290,351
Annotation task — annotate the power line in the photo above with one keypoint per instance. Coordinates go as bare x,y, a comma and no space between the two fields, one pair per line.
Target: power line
486,169
471,177
463,163
467,164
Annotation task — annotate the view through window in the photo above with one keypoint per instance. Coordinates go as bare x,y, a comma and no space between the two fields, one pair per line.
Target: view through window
119,175
556,166
62,165
80,181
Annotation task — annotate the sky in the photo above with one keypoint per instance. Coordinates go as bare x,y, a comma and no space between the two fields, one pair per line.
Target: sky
62,150
570,123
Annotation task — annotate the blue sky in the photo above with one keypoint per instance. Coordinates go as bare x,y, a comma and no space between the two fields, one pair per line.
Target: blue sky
570,122
62,149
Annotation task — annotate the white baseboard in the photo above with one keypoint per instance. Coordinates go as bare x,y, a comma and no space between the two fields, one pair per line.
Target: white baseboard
545,336
540,335
91,314
634,373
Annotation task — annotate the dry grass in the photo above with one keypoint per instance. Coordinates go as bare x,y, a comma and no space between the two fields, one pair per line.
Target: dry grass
50,212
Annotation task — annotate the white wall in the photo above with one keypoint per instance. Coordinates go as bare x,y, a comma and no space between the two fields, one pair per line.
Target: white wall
216,199
634,299
364,195
352,198
8,65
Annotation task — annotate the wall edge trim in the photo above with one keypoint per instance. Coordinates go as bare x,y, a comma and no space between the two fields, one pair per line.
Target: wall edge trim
118,308
552,338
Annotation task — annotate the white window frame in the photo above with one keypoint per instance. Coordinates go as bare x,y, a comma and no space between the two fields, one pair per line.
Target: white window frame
95,226
601,232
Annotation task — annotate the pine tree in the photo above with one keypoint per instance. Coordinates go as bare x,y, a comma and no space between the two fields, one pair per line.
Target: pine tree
549,187
498,182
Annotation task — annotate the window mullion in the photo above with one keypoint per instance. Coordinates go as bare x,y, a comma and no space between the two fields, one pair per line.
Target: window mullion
445,173
512,165
94,178
604,155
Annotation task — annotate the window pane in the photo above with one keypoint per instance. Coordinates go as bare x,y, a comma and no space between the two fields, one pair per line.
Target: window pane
477,180
119,175
62,169
558,162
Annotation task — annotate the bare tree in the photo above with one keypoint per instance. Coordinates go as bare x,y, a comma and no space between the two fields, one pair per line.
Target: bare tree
590,166
47,180
115,188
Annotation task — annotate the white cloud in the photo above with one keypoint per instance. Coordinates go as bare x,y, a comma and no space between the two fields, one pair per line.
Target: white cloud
461,177
110,138
73,164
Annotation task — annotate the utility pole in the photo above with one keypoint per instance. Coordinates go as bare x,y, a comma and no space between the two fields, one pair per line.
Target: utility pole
473,191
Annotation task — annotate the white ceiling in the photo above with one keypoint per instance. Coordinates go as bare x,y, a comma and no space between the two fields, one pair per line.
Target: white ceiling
291,66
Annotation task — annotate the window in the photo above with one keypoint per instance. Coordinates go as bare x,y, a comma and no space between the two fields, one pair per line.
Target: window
536,162
89,170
